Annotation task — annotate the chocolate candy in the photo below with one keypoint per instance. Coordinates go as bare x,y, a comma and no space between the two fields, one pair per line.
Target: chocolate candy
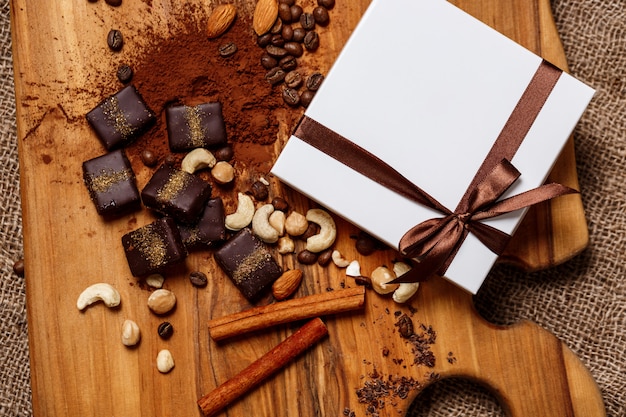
176,193
153,247
199,126
248,263
209,230
111,183
121,118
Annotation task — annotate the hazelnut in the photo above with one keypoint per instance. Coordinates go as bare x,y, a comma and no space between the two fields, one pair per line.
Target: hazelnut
161,301
223,172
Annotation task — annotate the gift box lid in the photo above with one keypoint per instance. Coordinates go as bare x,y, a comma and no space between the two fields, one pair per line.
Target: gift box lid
427,88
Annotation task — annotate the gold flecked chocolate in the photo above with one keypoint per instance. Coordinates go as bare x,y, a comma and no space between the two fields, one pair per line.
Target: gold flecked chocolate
115,117
150,245
251,263
107,178
194,122
175,184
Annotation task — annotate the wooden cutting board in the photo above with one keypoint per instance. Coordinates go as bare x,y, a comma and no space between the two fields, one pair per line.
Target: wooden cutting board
79,367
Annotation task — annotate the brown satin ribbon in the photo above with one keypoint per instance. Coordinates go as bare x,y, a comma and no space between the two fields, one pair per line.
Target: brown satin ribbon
435,242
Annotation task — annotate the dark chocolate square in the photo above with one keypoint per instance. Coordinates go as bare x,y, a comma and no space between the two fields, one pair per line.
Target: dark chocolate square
176,193
209,230
111,183
121,118
248,263
200,126
153,247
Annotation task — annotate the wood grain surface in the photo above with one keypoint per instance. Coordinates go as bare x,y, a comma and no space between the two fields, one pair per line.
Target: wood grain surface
79,366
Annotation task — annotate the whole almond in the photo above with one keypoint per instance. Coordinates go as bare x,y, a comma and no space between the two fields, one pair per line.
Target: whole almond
220,20
287,284
265,15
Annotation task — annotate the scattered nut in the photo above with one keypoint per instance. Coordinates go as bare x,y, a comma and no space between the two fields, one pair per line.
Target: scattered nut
161,301
380,278
405,291
265,14
306,257
286,284
286,245
164,361
198,159
401,268
243,215
311,230
131,335
280,203
155,280
296,224
325,257
339,260
18,267
220,20
353,269
223,172
328,231
277,220
261,226
98,292
366,244
259,190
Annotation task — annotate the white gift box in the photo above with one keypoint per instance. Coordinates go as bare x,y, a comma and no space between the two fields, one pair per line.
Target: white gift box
427,88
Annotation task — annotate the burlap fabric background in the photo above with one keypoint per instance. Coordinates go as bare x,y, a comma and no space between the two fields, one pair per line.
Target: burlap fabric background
583,302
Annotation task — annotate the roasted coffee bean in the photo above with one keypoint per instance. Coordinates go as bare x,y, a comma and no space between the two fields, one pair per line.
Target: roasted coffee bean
277,40
287,2
277,28
298,35
314,81
287,33
264,40
113,3
311,41
275,51
165,330
225,153
268,62
259,191
288,63
294,49
296,13
307,21
321,16
280,203
284,12
275,75
18,267
325,257
291,96
124,74
198,279
306,257
306,97
227,49
149,158
293,79
328,4
115,40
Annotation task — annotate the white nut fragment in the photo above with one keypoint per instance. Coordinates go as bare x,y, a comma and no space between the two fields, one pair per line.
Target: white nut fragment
131,335
277,220
164,361
401,268
261,226
198,159
223,172
353,269
243,215
161,301
296,224
339,260
328,231
98,292
155,280
380,280
405,291
286,245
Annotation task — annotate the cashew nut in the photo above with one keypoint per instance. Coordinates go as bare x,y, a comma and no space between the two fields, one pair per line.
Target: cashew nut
380,280
296,224
401,268
353,269
261,226
96,292
131,335
155,280
223,172
164,361
286,245
328,231
243,216
277,220
339,260
405,291
198,159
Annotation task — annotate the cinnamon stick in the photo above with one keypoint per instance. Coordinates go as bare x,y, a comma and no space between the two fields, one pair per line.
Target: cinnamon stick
257,318
262,368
